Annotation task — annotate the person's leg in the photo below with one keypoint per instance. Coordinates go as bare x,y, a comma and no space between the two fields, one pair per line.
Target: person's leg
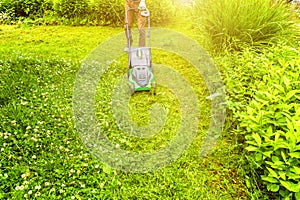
142,21
130,16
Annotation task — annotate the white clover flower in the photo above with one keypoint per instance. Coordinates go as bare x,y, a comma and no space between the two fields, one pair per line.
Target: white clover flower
72,197
34,157
30,192
85,165
37,194
37,187
23,175
47,183
23,103
28,127
5,175
96,166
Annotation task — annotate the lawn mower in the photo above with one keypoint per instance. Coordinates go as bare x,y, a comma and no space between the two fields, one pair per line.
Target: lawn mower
140,69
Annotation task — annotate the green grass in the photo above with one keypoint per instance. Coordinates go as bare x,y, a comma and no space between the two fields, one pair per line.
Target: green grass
41,154
67,42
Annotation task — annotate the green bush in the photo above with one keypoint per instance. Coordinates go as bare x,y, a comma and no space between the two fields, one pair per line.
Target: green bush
109,12
24,8
250,77
72,9
162,11
113,12
79,12
272,122
232,24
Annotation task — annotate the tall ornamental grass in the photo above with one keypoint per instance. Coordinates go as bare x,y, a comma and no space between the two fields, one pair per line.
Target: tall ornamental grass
234,24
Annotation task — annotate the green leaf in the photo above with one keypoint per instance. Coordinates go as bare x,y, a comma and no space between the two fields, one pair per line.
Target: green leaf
257,138
281,144
292,93
269,179
295,154
290,186
272,172
273,187
293,176
282,175
258,157
277,136
286,81
296,170
251,148
283,157
107,169
248,183
275,159
268,153
279,87
297,195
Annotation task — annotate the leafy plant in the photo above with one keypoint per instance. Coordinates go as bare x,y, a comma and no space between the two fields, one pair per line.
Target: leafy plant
272,123
162,11
113,12
25,8
71,9
109,12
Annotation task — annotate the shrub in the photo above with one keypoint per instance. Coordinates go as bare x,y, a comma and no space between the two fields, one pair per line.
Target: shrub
162,11
71,9
271,123
113,12
232,24
109,12
25,8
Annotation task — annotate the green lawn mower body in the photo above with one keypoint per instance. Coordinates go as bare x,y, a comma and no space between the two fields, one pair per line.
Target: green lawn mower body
140,70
